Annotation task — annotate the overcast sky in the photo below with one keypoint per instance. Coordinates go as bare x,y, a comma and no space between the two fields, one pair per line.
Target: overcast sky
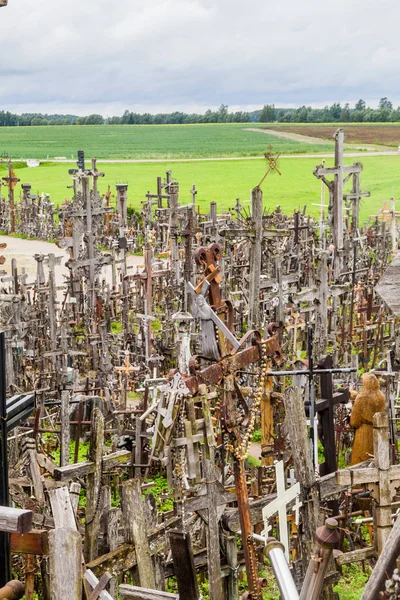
86,56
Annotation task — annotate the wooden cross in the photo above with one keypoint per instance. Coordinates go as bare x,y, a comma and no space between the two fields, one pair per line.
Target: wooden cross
382,479
284,497
210,505
341,175
221,374
12,412
127,369
324,408
11,182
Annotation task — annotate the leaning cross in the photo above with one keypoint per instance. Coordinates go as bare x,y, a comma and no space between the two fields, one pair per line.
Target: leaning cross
284,497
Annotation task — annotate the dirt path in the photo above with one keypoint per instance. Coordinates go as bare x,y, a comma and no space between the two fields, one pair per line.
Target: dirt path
255,450
24,250
354,154
296,137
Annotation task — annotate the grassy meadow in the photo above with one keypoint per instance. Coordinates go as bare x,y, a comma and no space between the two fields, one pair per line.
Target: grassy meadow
146,141
224,181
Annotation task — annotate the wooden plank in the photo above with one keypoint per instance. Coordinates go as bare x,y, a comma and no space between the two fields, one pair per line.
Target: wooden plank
93,581
356,555
61,507
15,520
65,562
33,542
182,556
230,518
136,529
133,592
116,561
109,461
65,436
94,486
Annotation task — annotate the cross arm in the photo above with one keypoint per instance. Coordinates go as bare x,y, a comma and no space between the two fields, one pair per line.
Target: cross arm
230,364
338,398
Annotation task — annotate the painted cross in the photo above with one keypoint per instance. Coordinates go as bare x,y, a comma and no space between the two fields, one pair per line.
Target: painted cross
284,497
127,369
174,389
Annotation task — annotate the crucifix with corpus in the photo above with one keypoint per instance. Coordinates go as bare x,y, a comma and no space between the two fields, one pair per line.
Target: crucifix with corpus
222,375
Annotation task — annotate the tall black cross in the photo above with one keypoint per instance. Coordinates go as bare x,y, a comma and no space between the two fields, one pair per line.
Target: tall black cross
13,411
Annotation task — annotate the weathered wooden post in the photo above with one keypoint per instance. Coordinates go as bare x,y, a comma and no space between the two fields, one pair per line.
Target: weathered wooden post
5,559
65,561
94,486
136,530
65,435
255,257
122,200
185,571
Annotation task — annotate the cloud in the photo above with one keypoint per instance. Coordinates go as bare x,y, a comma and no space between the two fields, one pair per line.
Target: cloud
167,54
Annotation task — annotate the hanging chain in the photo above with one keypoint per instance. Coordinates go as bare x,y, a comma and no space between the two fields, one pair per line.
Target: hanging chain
242,450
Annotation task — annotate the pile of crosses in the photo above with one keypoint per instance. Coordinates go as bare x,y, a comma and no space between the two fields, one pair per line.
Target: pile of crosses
161,368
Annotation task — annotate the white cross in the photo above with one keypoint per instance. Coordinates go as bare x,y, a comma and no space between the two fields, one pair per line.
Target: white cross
175,389
284,497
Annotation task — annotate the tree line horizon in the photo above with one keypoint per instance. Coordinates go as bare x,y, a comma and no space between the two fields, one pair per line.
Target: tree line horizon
335,113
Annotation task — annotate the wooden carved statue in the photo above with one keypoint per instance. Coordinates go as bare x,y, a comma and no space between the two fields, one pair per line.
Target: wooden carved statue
369,401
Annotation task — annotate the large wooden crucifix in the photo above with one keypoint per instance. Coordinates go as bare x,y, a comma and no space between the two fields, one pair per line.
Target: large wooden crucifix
341,176
222,375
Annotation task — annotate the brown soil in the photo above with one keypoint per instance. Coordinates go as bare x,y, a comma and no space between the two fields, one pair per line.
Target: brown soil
385,135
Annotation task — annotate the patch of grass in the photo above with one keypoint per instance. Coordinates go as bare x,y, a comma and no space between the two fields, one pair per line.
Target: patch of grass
224,181
254,461
256,437
352,583
159,490
146,141
116,327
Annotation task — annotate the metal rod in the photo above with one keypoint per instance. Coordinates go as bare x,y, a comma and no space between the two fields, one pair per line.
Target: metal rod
283,576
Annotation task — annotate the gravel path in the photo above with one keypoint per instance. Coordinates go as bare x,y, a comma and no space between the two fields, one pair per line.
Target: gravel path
24,250
297,137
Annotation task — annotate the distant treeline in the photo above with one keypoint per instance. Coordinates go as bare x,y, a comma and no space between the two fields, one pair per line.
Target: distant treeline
336,113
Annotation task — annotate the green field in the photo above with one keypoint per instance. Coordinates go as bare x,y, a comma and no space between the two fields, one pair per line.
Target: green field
224,181
145,141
